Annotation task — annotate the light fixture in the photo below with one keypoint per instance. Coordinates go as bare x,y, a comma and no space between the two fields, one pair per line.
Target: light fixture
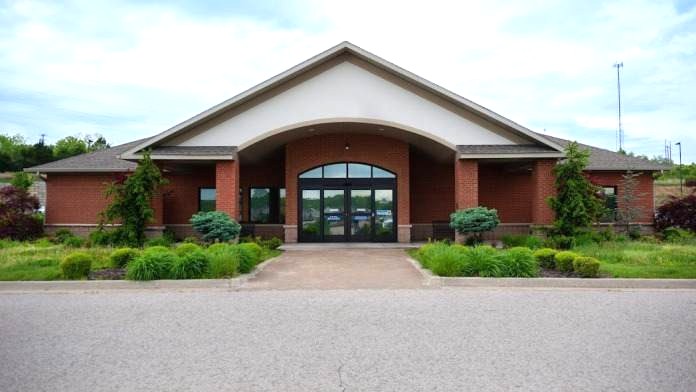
380,129
347,146
310,129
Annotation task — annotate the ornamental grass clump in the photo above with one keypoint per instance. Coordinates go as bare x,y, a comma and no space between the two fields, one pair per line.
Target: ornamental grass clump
76,265
428,251
153,263
586,267
564,261
447,260
121,257
186,248
481,260
248,256
546,257
189,265
519,262
223,261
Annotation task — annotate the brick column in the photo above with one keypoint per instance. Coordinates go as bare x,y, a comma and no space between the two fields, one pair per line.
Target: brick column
465,187
465,183
403,204
227,188
542,187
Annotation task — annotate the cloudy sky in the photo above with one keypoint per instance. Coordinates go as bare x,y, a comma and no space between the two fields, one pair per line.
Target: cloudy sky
132,69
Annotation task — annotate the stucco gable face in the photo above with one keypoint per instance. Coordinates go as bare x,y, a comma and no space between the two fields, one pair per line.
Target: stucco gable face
347,89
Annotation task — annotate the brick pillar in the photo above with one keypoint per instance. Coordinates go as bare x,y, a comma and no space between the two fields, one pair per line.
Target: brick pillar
403,195
465,187
291,198
542,187
227,188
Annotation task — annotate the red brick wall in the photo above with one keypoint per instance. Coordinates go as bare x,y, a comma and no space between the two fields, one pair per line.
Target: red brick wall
181,194
645,186
432,189
508,191
270,173
391,154
543,186
466,183
76,198
227,187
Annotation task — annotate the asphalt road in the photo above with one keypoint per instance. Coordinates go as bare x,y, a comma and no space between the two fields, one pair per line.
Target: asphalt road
352,340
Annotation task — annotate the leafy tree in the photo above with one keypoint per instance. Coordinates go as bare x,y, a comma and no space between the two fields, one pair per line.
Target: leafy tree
69,146
22,180
576,204
474,221
677,212
629,199
99,142
132,197
19,219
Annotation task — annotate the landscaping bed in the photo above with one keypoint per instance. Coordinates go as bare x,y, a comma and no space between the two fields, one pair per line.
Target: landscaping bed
598,255
71,258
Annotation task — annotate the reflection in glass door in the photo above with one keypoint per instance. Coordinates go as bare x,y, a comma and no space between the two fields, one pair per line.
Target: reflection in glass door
311,223
360,214
334,215
384,215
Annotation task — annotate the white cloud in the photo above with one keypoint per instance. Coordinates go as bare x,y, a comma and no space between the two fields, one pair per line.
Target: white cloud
130,70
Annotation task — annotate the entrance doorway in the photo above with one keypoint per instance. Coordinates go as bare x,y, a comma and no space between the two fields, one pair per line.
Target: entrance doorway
349,201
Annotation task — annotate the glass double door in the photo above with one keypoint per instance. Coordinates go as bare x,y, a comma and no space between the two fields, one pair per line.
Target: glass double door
337,214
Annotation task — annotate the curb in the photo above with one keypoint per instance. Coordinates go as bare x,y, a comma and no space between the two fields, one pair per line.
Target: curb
431,280
97,285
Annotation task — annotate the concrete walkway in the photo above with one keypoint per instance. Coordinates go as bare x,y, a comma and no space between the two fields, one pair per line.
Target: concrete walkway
359,268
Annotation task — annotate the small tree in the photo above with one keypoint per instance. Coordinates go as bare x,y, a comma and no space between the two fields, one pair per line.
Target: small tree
19,219
677,212
629,199
22,180
576,204
131,205
215,226
474,221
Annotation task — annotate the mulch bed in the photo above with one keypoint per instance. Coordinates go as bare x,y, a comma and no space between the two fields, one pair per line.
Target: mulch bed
107,274
552,273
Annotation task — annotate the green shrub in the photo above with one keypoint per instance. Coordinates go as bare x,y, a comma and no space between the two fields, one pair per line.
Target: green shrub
564,260
76,265
587,267
121,257
254,248
192,240
74,242
271,243
634,233
157,248
428,251
529,241
474,220
481,260
563,242
447,261
190,265
103,237
545,257
151,264
186,248
219,246
223,261
677,235
519,262
215,226
159,241
61,235
248,257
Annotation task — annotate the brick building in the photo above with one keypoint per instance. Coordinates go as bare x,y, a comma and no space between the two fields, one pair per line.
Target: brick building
343,147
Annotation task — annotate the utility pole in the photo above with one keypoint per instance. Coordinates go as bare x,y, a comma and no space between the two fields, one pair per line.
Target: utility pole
41,141
619,133
681,183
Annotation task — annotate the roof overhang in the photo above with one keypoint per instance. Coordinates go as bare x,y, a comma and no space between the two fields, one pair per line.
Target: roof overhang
550,155
78,170
187,153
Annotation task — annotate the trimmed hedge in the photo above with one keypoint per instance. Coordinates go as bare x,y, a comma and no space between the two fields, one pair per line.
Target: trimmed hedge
586,267
564,260
76,265
546,257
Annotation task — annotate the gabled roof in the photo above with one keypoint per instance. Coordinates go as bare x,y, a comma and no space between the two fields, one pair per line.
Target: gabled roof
106,160
602,159
483,151
340,49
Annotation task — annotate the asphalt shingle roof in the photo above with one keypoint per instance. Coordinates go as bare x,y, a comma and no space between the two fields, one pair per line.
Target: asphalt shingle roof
98,161
503,149
194,150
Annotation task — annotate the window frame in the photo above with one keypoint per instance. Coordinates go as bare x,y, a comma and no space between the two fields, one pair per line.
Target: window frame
200,198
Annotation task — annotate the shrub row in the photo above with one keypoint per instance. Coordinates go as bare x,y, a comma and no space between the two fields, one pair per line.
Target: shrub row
481,260
567,262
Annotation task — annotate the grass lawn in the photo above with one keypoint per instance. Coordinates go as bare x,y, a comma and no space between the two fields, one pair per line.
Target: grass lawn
634,259
40,260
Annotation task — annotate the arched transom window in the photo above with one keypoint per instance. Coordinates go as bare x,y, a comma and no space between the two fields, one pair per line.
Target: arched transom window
347,170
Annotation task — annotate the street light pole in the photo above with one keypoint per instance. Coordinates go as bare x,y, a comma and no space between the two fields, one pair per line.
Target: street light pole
681,183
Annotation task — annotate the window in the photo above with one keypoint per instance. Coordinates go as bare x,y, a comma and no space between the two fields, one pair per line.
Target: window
206,199
267,205
347,170
609,195
260,205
